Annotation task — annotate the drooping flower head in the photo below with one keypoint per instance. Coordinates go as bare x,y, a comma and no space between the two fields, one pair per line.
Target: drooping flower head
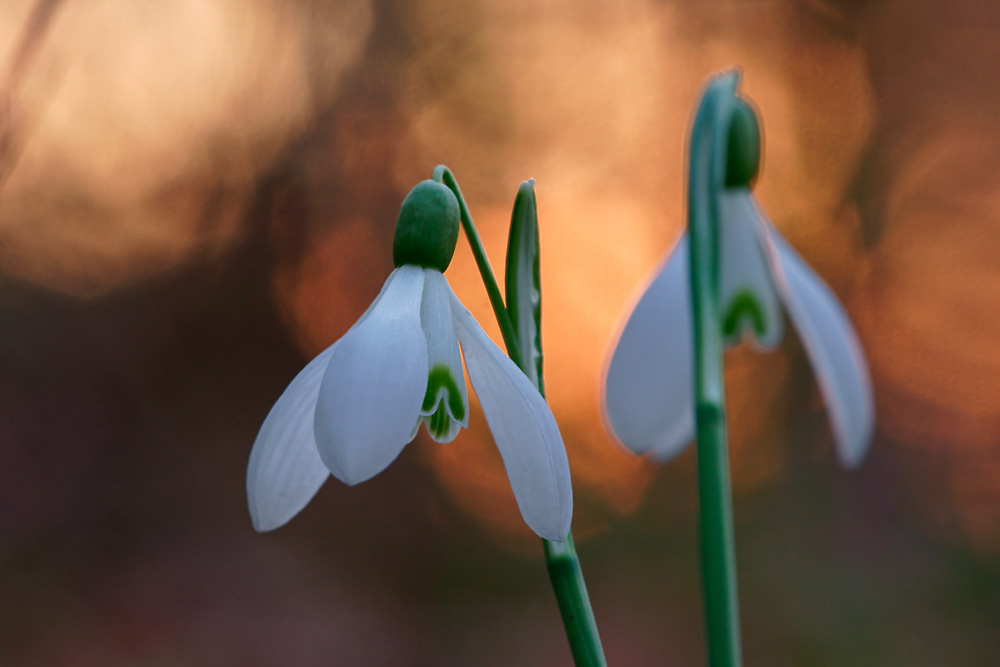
649,384
351,411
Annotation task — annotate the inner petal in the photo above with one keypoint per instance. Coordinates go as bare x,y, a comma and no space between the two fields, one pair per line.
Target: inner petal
744,311
445,409
748,301
442,388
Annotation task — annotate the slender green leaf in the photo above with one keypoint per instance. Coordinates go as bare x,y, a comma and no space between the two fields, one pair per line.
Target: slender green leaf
524,307
524,293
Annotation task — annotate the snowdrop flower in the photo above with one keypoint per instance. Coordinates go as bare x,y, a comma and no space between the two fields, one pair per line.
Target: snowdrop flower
351,411
649,383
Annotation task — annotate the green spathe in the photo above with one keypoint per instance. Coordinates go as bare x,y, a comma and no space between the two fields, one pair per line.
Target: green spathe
427,227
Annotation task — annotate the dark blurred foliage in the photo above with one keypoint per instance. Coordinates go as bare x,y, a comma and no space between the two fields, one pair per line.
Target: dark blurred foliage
195,197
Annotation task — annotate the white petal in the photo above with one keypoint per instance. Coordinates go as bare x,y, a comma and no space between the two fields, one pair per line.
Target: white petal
746,287
649,388
285,470
446,401
370,396
833,347
523,428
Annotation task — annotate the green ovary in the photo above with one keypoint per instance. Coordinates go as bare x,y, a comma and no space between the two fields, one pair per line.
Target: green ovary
744,304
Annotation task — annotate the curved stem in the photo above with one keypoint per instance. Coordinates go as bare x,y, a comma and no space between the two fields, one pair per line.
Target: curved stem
442,174
709,136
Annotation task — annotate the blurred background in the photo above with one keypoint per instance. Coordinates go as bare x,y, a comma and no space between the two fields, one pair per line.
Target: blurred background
198,196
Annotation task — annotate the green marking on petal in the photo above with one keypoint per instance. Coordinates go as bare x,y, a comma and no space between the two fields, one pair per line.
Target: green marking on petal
744,304
440,378
439,423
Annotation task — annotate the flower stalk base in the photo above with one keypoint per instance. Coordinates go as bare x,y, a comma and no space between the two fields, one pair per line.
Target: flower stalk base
574,603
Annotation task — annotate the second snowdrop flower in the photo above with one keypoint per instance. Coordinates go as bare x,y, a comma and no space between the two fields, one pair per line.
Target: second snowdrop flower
649,384
351,411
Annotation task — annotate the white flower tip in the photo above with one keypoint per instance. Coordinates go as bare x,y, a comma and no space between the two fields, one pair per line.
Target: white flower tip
854,439
562,527
554,535
851,460
550,513
263,524
353,471
266,516
539,476
280,494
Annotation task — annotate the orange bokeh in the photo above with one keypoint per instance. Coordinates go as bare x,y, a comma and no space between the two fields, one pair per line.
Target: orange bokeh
137,133
135,140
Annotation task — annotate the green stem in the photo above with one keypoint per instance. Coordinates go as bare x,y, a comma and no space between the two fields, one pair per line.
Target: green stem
709,137
442,174
574,603
561,559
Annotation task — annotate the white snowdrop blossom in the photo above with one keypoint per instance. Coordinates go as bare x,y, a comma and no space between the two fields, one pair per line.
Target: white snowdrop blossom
351,411
649,384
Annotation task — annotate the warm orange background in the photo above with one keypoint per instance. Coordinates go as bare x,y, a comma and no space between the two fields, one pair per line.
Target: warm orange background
197,196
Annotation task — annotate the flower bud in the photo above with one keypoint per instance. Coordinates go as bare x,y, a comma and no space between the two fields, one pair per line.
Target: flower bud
427,227
743,158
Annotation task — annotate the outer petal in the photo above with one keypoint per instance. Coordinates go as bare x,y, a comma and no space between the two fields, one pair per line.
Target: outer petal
446,402
748,301
285,469
523,428
648,391
833,348
370,396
